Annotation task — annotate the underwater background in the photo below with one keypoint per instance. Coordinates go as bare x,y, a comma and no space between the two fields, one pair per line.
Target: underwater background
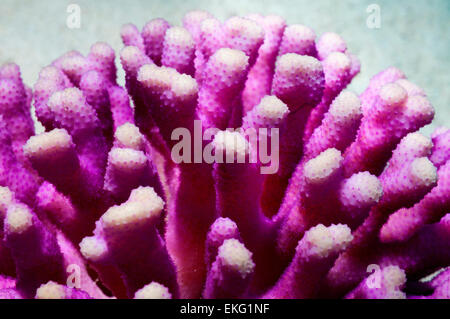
413,35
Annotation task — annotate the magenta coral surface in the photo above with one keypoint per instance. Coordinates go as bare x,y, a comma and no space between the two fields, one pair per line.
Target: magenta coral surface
98,207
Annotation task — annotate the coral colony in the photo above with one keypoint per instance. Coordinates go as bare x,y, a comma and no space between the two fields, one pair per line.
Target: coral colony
128,194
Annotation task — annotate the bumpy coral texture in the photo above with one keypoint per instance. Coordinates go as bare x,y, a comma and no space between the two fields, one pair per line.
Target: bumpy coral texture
97,207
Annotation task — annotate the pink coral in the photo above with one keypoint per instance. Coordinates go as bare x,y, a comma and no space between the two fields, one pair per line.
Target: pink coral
355,187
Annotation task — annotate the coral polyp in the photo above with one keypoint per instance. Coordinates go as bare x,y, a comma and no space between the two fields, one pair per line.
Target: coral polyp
349,200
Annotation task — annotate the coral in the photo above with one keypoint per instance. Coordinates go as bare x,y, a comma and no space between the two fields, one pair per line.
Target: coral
161,189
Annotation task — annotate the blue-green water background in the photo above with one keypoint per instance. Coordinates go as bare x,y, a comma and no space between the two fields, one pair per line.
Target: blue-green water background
414,35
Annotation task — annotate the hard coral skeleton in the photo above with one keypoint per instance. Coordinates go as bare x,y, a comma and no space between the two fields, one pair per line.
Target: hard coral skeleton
357,186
